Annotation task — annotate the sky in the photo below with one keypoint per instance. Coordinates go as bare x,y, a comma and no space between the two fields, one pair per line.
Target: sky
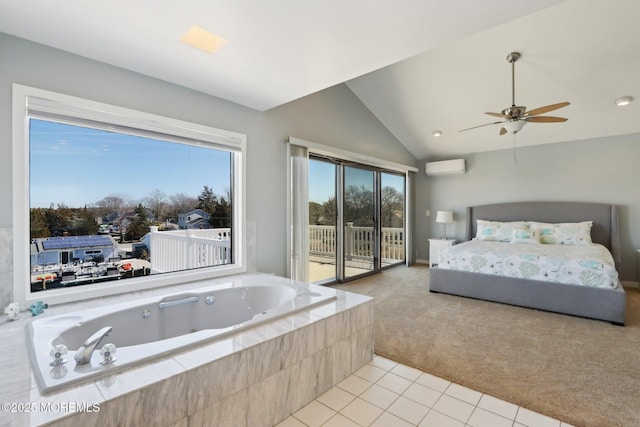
79,166
322,181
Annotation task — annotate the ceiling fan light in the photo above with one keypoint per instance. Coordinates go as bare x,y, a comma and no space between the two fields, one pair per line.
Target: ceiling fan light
514,126
624,100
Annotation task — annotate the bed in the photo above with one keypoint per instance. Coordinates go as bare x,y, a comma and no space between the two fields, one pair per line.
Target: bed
603,303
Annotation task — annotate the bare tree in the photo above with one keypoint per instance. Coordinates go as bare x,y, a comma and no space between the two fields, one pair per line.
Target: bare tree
156,202
112,204
181,203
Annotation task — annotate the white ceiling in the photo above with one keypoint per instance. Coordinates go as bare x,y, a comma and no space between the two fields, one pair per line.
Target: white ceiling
439,64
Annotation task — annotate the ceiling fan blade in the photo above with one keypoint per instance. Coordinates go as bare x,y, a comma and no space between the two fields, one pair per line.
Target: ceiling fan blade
504,116
544,119
546,109
503,131
475,127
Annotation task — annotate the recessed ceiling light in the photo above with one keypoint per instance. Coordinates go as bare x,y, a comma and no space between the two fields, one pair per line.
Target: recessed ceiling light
202,39
437,133
624,100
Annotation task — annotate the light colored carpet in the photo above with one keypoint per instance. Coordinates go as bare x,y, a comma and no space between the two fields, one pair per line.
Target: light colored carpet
584,372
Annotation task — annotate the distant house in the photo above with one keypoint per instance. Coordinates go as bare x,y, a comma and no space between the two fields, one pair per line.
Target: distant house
196,219
64,250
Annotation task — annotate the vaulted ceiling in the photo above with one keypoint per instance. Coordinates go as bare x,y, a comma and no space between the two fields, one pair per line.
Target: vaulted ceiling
418,65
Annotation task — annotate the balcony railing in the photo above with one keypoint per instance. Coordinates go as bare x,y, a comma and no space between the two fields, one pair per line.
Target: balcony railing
359,242
187,249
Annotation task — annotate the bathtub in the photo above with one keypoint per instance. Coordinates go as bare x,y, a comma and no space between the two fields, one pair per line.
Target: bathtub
158,326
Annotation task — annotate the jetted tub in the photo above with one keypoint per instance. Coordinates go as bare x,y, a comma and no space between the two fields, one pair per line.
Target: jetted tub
157,326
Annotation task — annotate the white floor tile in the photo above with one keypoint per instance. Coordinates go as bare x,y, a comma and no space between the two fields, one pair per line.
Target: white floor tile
497,406
314,414
433,382
394,383
436,419
363,413
336,398
390,420
291,422
534,419
370,373
407,372
463,393
384,393
383,363
354,385
339,420
483,418
379,396
454,408
423,395
408,410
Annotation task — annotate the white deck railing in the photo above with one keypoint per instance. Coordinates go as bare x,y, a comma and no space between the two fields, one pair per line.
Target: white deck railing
186,249
359,242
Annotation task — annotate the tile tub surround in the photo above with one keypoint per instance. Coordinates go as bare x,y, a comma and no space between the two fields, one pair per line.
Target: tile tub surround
257,377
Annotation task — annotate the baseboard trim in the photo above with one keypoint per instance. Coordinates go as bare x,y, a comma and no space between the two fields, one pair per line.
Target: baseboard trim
630,284
422,261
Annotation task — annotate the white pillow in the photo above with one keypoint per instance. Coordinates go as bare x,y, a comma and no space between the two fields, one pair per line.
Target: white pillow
567,233
496,231
525,235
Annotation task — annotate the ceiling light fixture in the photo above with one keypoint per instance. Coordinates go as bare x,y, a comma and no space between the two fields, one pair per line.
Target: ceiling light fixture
624,100
437,133
203,40
514,126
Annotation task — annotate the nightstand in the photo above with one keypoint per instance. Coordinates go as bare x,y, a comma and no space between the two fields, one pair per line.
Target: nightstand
434,248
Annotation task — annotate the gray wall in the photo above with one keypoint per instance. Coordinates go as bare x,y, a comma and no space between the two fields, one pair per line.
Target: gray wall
333,117
604,170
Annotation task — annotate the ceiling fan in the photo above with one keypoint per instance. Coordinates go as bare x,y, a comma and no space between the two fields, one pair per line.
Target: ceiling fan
515,117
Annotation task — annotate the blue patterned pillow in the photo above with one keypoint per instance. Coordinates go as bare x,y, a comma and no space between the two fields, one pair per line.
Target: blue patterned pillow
496,231
525,235
569,233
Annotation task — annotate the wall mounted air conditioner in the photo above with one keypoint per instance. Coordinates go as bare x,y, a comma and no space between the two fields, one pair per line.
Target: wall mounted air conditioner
445,167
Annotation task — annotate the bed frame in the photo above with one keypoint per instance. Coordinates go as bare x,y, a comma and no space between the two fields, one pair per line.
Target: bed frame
595,303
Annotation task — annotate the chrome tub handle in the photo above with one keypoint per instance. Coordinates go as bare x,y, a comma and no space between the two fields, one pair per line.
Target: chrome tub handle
165,304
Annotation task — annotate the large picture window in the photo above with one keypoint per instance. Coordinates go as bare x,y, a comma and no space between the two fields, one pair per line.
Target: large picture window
111,195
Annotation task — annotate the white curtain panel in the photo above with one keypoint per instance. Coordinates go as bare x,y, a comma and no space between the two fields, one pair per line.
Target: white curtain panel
299,212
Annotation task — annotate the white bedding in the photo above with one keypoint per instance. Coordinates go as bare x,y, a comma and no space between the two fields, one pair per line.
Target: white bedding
586,265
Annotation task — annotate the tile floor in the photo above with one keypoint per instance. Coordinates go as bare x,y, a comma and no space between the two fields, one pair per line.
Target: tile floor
384,393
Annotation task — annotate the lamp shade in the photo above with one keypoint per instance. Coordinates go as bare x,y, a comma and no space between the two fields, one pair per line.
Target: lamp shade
444,217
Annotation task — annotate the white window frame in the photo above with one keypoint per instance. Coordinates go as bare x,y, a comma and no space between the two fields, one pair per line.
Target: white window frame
53,103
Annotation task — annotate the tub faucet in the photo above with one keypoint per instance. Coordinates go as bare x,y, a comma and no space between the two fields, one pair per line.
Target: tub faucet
83,355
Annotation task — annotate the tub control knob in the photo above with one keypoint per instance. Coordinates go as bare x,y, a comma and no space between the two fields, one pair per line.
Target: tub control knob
108,352
58,352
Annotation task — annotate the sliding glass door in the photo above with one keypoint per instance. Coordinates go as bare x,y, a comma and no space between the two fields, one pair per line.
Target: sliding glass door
356,220
322,221
392,218
361,233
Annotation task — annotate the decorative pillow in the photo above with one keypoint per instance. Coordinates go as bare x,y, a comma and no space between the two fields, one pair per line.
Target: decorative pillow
525,235
568,233
495,231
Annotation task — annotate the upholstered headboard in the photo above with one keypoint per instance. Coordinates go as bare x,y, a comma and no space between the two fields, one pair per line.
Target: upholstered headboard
605,228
